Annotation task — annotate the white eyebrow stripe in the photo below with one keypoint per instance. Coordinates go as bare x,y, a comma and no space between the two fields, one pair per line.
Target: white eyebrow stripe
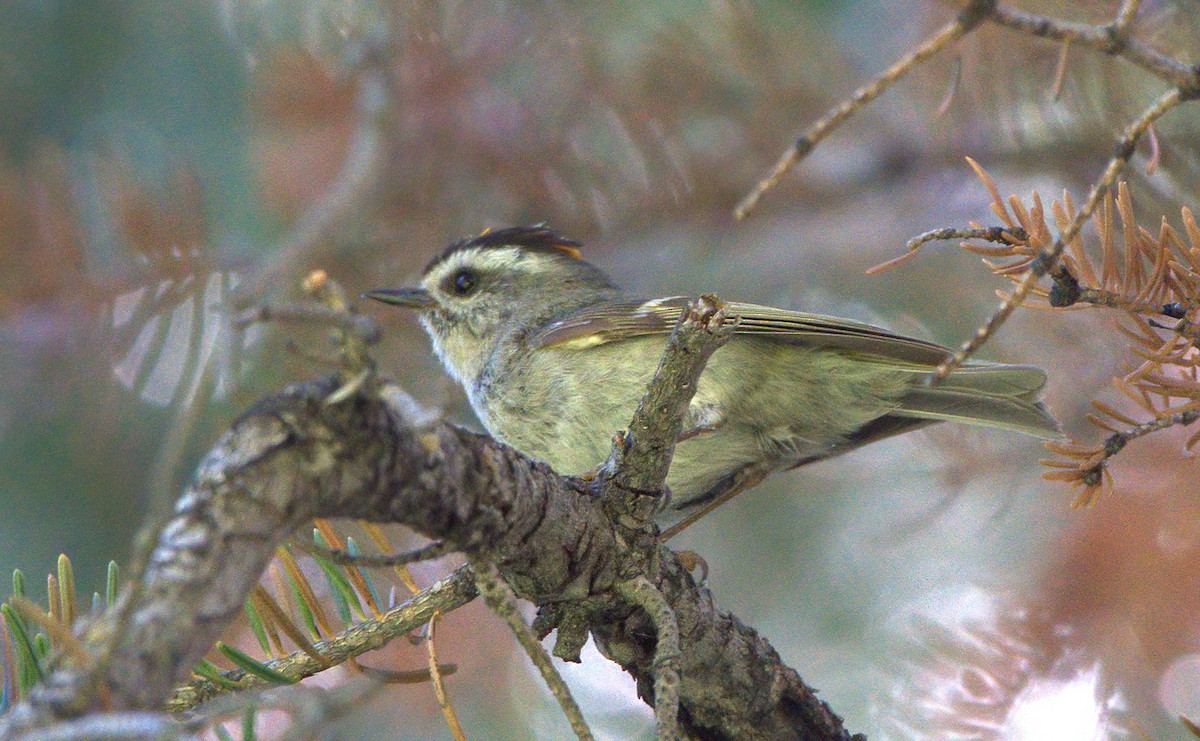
491,258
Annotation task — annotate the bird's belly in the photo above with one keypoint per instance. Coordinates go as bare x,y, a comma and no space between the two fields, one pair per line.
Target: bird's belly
756,403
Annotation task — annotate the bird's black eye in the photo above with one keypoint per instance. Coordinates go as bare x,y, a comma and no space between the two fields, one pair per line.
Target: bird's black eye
463,282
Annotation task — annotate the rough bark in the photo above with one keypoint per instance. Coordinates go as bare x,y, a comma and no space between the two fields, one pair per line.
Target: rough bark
295,456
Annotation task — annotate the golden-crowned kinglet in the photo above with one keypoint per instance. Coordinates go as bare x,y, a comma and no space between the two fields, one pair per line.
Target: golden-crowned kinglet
554,359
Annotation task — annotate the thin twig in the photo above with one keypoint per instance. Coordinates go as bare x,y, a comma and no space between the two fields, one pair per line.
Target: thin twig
1092,469
446,595
363,326
1113,300
501,599
999,234
1108,39
968,18
1125,16
439,686
1048,258
667,654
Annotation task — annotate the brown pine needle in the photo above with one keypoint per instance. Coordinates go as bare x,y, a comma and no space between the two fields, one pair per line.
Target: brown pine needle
997,202
266,603
274,641
1137,396
1128,231
375,533
1141,339
1067,475
1099,422
987,250
1060,70
1052,463
1155,152
1092,492
952,90
305,588
1071,449
890,263
439,685
1191,441
59,632
1111,412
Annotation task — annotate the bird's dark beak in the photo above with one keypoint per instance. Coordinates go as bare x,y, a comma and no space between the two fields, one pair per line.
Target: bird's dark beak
412,298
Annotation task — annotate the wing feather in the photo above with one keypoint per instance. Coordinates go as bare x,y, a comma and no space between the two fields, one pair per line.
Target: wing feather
613,321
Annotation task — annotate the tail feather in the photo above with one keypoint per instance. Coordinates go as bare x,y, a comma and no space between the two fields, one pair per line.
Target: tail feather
973,407
1003,396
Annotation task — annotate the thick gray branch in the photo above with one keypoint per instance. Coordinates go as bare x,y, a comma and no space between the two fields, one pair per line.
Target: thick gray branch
295,456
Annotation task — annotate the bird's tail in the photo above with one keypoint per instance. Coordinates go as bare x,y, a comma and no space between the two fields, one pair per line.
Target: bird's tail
990,395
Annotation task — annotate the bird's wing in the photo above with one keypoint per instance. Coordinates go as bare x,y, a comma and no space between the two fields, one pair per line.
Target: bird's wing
613,321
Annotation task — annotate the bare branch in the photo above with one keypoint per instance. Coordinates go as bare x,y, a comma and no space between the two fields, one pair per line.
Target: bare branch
641,458
500,598
1112,39
446,595
1048,259
967,19
642,593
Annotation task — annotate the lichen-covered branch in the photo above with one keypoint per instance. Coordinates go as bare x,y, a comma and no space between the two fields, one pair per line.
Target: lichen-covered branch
446,595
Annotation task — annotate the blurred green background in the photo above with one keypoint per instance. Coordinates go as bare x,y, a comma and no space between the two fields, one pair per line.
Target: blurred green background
164,162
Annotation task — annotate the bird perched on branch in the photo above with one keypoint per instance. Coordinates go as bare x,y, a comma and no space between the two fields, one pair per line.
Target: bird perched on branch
554,359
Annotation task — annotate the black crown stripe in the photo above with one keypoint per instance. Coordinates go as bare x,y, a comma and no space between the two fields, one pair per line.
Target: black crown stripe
537,237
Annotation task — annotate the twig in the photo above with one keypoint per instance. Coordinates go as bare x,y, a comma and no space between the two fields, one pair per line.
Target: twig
1001,234
446,595
1125,16
966,19
439,686
1112,39
641,458
642,593
1114,300
1087,466
363,326
1048,258
500,597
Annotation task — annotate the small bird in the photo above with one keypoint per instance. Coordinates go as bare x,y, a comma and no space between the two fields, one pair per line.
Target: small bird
554,359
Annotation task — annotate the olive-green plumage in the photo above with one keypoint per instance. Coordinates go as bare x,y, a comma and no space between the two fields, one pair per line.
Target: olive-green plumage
554,359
